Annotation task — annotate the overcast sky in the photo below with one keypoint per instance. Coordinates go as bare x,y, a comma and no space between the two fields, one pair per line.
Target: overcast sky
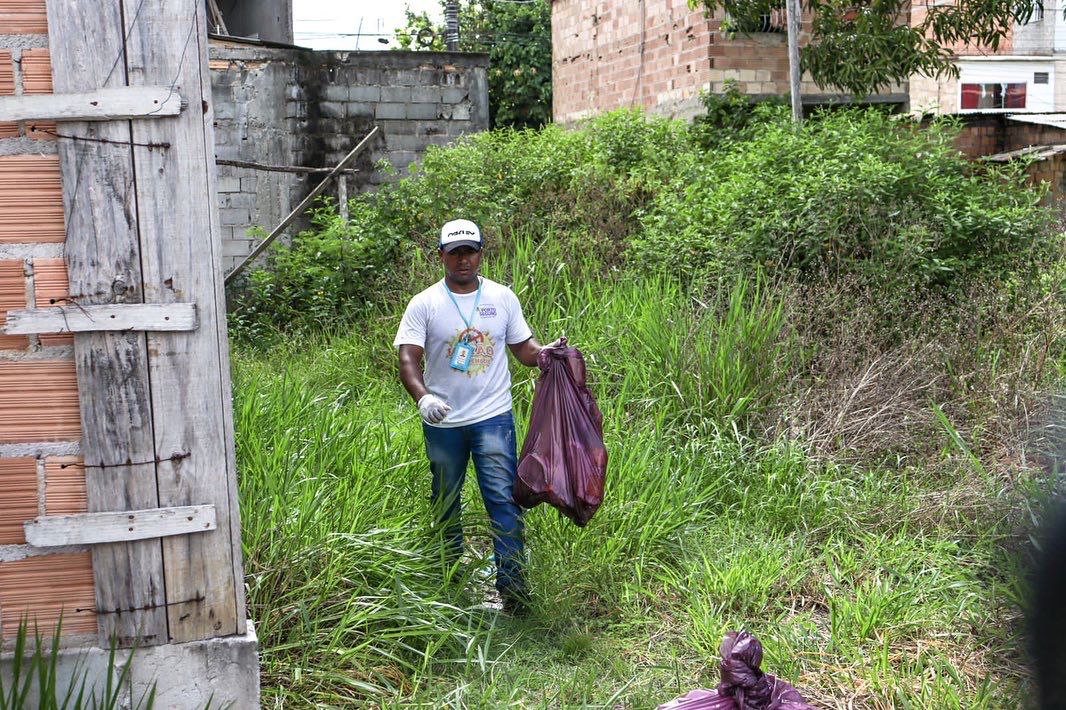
353,24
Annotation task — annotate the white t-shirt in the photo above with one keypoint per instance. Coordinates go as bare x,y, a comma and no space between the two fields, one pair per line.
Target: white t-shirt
433,323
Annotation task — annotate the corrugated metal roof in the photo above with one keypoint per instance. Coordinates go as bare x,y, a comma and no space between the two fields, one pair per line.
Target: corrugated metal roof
1055,120
1038,152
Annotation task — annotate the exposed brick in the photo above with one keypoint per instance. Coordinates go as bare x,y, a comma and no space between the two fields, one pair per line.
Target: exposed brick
18,498
36,71
42,589
64,486
38,401
50,287
23,17
12,296
8,129
31,199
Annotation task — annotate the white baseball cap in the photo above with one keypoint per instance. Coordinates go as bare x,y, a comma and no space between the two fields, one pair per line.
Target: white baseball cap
459,233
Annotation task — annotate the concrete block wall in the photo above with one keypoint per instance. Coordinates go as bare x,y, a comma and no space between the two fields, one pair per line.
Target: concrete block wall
292,106
40,426
659,55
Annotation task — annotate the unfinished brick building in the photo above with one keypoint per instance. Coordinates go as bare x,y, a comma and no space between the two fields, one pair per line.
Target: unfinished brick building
660,54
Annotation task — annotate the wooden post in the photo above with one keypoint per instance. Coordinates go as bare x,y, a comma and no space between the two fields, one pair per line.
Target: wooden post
103,261
342,196
793,13
143,228
181,254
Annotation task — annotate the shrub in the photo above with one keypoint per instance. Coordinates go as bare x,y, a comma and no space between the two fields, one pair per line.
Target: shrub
853,192
326,276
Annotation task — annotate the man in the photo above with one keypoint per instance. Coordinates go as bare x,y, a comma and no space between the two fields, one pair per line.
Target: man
458,326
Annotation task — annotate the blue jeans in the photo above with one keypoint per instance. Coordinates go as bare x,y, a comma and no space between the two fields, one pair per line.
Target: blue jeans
491,443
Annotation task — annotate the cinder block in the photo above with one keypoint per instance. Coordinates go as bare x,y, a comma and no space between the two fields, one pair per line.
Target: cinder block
234,216
238,247
424,111
331,109
229,184
396,94
335,92
390,111
398,127
453,94
249,184
18,498
225,110
38,402
426,95
461,112
360,109
239,200
402,77
406,142
364,93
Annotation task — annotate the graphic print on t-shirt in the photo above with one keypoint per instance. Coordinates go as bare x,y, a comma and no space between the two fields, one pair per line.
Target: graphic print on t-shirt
484,349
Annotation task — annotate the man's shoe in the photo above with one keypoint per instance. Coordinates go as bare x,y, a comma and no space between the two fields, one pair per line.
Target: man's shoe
515,603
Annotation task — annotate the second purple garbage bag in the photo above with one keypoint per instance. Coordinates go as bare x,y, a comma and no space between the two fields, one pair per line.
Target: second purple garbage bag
563,461
744,686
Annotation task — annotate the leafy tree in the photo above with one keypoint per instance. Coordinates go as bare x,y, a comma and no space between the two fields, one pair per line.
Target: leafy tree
517,37
861,46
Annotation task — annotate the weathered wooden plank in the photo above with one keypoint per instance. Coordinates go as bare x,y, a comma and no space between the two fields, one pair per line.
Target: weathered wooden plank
100,105
155,317
103,261
118,526
181,258
279,168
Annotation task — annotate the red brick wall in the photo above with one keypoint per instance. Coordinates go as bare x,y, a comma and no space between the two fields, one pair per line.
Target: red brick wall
657,55
40,423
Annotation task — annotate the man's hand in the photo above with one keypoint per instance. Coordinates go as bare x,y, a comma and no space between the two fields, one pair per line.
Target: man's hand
557,343
433,409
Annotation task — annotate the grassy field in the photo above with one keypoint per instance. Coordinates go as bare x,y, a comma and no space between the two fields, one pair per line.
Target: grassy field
895,584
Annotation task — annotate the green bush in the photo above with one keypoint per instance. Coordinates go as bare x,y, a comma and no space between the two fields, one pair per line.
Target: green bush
854,192
857,193
324,277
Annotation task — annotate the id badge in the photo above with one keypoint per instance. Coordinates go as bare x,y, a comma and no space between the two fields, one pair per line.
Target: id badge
462,356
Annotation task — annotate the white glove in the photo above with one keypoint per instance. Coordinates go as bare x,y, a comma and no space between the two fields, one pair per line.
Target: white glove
433,409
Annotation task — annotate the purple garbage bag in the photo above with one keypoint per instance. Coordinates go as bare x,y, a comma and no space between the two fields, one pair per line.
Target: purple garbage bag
744,686
563,461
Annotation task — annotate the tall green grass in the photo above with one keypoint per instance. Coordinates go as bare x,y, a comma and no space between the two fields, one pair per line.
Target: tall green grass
869,588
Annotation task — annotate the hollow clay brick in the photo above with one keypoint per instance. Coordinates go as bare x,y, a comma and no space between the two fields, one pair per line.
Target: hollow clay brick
38,401
23,17
31,199
8,129
64,486
40,589
12,296
50,287
18,498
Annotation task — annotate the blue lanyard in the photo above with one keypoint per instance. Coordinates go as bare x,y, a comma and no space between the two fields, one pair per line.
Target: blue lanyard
477,300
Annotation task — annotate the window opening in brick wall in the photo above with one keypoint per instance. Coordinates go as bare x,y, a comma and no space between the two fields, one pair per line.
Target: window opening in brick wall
774,21
993,96
1041,77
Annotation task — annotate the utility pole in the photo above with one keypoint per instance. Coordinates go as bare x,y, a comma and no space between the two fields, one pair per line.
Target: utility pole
792,10
451,25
